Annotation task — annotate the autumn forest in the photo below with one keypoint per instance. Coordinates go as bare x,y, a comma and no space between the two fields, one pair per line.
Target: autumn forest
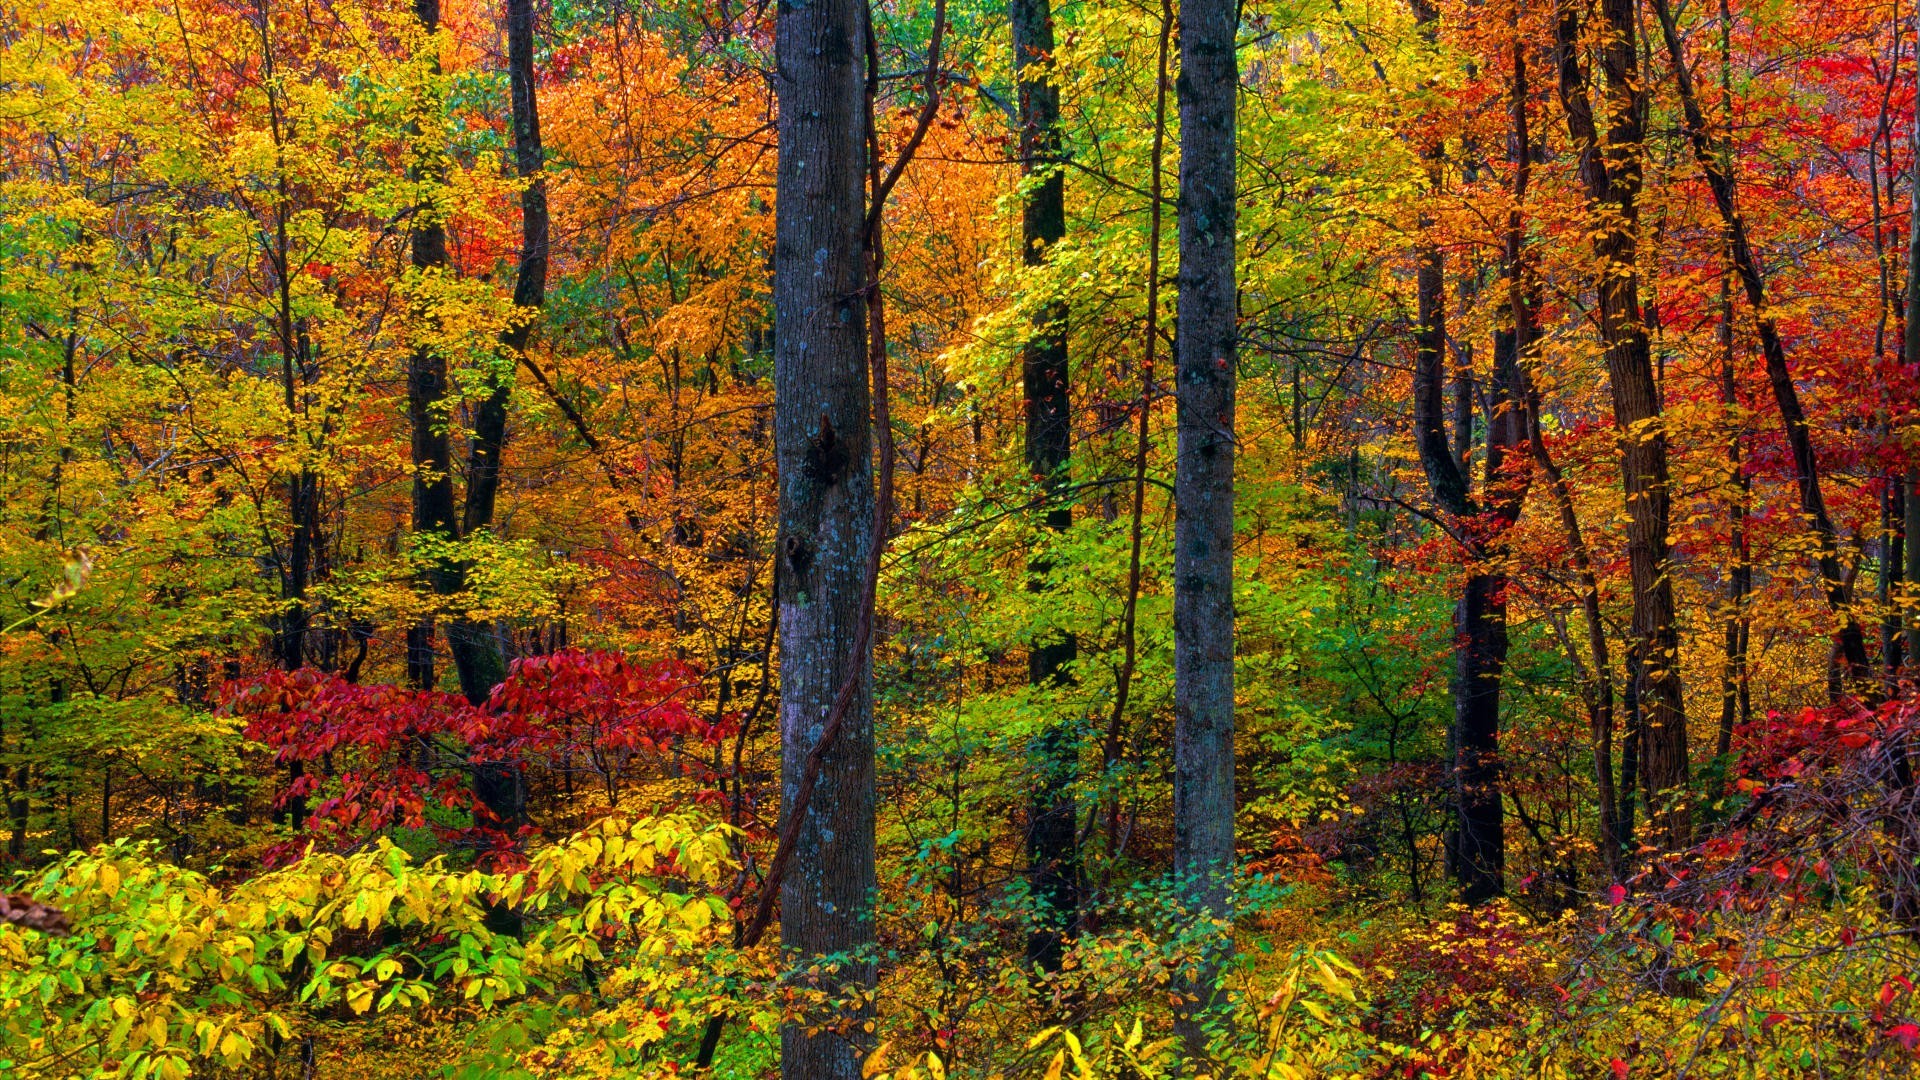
908,539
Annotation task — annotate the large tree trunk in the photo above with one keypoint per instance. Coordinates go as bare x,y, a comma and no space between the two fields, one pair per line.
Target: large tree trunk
1612,172
1206,333
1051,812
822,445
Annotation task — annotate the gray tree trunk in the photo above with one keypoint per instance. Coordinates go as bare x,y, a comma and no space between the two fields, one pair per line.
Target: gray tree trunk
1203,796
822,445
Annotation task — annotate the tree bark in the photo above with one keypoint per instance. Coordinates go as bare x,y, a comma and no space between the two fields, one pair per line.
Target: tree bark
1054,863
1612,172
823,450
1203,617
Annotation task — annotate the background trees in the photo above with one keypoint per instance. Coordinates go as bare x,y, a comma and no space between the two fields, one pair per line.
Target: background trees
466,428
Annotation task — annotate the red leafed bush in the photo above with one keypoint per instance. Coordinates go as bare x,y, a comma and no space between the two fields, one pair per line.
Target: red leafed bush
377,756
1822,797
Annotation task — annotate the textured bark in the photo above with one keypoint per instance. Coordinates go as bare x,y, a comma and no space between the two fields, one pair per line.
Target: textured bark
1851,639
822,445
1612,172
1477,848
1478,851
1051,813
1203,617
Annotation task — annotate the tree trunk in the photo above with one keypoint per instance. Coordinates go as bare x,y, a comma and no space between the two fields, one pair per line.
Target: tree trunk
500,786
1480,657
1613,179
1051,812
1203,618
822,445
1736,701
427,386
1476,847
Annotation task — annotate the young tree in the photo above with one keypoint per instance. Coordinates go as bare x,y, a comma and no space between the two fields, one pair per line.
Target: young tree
1206,338
822,445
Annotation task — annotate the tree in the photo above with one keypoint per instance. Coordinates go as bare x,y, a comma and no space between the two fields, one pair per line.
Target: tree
1612,172
1207,338
1476,849
1051,816
822,443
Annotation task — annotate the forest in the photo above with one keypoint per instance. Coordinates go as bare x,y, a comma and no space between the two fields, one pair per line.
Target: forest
992,539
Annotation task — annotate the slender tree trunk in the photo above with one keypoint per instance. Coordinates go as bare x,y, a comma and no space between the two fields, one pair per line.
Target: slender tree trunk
1612,172
1051,812
823,448
1735,698
1736,702
501,786
427,384
1599,680
1206,339
1110,747
1851,639
1912,515
290,638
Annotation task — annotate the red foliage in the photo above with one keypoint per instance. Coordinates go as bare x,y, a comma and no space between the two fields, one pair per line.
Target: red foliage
379,755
